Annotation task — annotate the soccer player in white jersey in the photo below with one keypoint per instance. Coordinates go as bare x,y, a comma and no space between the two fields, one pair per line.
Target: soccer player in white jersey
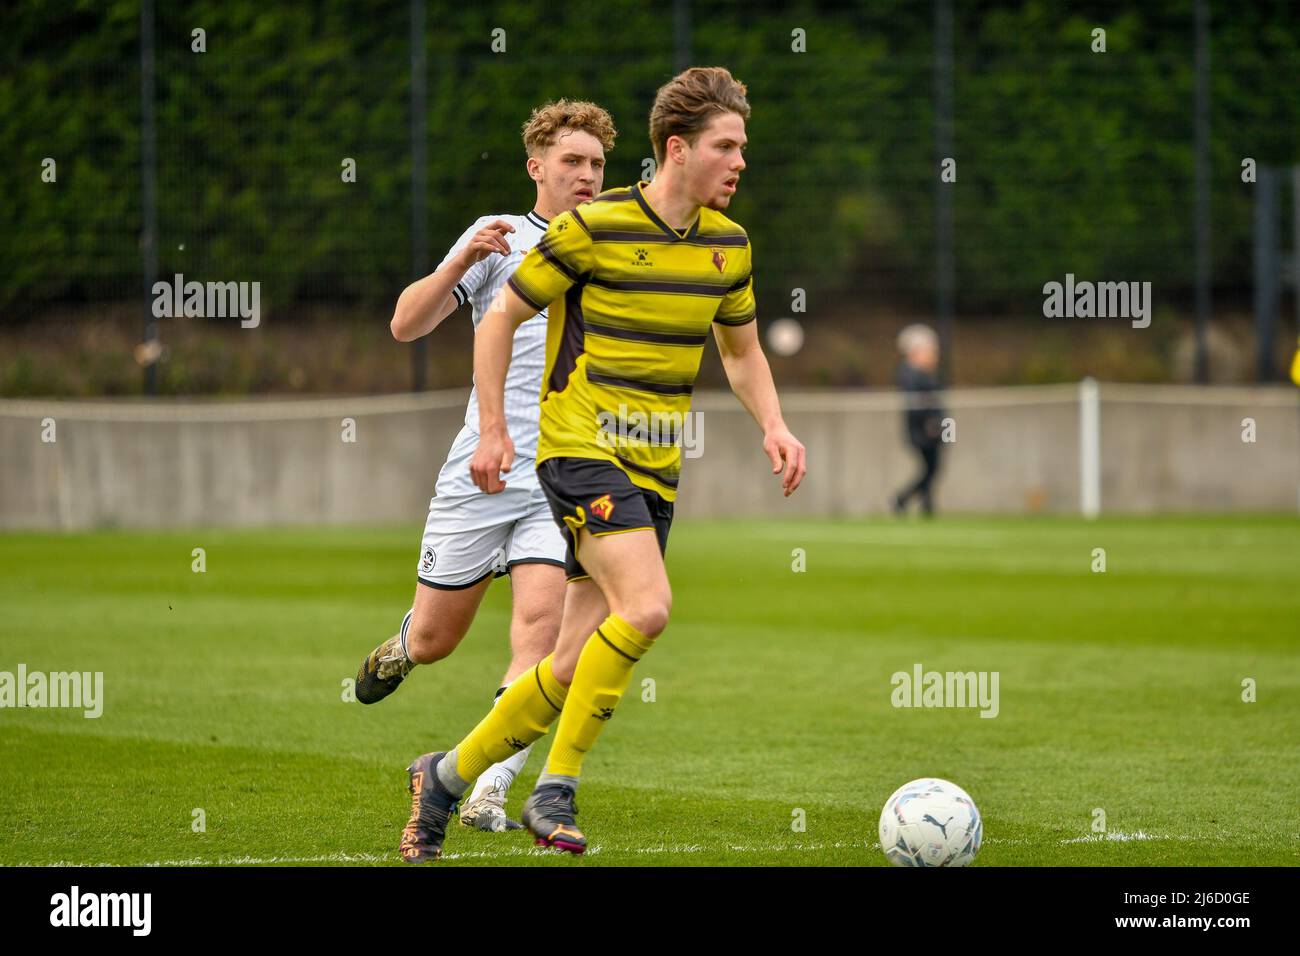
470,536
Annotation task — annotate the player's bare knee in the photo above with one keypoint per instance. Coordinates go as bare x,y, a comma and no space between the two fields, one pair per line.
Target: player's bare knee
536,623
429,644
649,615
533,632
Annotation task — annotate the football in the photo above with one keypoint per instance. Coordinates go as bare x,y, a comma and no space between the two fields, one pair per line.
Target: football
930,822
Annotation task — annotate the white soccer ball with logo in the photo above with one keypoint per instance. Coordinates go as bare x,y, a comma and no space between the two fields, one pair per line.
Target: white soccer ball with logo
930,822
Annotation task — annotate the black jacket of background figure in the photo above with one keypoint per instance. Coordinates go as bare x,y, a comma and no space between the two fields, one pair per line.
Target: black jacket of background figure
923,414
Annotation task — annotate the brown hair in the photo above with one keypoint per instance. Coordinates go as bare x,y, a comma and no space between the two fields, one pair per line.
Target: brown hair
688,102
551,119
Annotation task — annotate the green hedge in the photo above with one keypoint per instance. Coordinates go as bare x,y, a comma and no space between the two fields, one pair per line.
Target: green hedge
1068,160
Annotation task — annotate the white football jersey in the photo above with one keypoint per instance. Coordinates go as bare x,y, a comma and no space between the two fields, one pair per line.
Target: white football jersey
479,287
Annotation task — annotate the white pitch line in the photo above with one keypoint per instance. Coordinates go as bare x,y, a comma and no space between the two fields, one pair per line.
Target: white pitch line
595,850
529,851
1118,836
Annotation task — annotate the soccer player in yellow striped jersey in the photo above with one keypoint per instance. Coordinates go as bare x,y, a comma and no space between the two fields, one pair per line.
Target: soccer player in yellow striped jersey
633,302
634,281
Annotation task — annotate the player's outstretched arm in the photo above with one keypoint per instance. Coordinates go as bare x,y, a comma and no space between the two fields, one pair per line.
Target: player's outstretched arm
493,342
751,379
426,302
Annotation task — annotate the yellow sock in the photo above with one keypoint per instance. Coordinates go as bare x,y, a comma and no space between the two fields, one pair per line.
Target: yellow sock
599,680
523,714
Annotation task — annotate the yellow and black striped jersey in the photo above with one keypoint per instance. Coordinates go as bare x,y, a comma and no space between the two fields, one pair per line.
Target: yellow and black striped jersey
632,301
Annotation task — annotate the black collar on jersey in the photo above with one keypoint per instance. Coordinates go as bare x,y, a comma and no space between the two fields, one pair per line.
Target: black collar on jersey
654,217
536,220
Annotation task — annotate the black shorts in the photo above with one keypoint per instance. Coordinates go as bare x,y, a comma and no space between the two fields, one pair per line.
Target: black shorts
596,495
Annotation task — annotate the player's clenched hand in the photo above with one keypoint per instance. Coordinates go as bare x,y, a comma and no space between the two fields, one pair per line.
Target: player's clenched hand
786,452
489,239
494,455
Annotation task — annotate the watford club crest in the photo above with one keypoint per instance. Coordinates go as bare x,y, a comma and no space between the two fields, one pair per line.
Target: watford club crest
720,260
603,507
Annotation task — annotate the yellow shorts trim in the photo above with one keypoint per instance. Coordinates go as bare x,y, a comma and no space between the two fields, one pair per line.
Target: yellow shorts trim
601,534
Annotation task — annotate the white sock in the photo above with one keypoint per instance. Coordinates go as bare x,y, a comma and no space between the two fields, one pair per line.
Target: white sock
406,626
501,775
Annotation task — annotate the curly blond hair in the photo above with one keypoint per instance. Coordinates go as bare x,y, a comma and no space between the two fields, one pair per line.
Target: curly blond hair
550,119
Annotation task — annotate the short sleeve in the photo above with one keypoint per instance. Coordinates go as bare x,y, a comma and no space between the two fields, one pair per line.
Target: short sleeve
476,274
738,306
560,259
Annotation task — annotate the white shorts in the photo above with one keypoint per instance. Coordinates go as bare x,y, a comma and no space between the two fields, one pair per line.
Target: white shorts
470,535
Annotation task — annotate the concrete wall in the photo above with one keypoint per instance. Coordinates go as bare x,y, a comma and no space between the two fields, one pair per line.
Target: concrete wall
170,463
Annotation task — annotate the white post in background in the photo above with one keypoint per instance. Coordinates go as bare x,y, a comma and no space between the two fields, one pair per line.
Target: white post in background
1089,448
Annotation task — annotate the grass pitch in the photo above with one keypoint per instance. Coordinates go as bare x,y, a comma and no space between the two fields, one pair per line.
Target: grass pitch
1119,691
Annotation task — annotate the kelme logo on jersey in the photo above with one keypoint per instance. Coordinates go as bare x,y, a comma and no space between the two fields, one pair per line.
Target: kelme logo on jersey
720,260
603,507
641,258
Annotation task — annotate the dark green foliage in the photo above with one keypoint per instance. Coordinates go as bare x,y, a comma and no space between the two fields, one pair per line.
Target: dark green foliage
1068,160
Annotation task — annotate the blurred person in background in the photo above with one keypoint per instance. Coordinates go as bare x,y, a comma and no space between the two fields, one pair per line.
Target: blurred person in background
922,414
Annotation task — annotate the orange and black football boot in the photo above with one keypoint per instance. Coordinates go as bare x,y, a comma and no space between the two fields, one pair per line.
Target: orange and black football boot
549,814
431,806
